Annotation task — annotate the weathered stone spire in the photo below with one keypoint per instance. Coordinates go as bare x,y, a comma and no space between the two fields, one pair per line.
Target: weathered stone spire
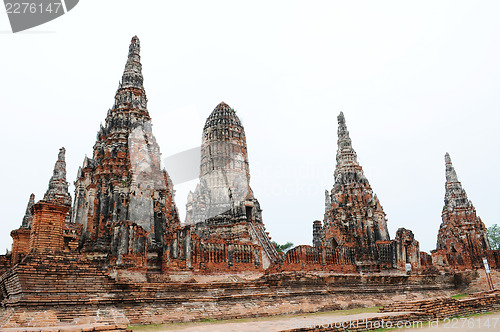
451,175
353,215
348,169
123,199
455,195
58,187
462,235
132,75
345,153
21,236
131,93
28,217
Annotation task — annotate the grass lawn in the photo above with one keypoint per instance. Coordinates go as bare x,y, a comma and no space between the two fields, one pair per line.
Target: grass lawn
459,296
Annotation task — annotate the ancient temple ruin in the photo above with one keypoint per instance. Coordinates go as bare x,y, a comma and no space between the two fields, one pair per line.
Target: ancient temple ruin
353,235
45,227
223,206
462,240
354,217
123,199
121,246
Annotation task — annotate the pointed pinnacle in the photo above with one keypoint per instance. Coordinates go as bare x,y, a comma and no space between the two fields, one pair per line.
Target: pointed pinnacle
343,134
130,92
58,187
132,75
135,47
222,105
341,118
447,158
451,174
346,156
455,195
342,128
28,217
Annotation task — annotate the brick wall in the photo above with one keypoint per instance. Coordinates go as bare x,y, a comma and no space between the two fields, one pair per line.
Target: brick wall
447,307
307,258
20,244
73,289
47,227
4,263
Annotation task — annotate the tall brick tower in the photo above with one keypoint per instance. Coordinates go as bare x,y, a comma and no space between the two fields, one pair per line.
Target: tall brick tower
123,198
223,205
50,213
462,235
224,172
353,217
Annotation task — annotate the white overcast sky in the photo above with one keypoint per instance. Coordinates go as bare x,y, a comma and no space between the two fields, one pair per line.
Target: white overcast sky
414,79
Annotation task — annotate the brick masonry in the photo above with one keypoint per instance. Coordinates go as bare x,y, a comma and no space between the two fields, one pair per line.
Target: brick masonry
119,254
68,289
448,307
462,239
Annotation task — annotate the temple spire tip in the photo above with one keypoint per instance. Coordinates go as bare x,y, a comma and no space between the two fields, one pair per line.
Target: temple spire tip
341,118
58,186
346,156
222,105
62,154
28,216
451,174
447,158
132,79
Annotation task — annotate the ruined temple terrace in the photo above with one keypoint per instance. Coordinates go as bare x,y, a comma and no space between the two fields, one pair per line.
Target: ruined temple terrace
117,254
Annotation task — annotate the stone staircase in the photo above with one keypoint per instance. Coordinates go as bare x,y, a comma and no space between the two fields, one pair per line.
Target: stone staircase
265,242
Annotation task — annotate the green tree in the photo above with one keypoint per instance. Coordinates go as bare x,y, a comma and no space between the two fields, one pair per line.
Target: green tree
283,248
494,237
